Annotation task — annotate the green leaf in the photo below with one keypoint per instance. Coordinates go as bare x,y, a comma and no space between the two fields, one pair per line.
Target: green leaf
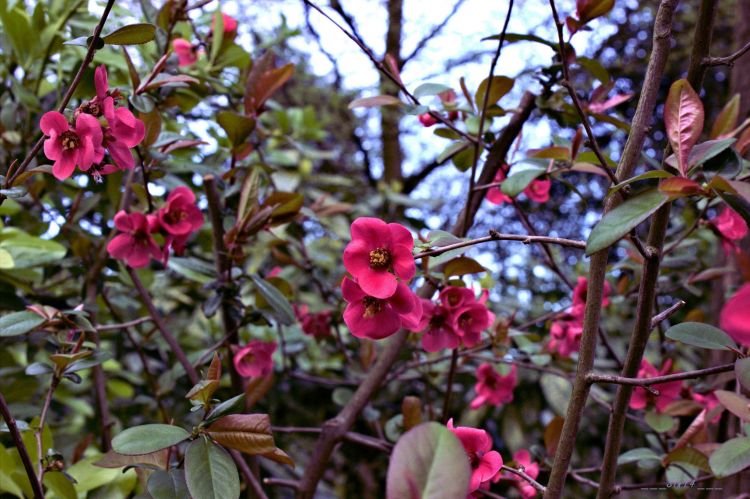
702,152
218,34
452,150
623,219
639,454
557,391
659,422
282,310
426,89
148,438
29,251
237,126
167,484
234,404
742,371
17,323
501,85
700,335
735,403
731,457
643,176
428,462
96,359
591,9
518,181
193,268
132,34
210,472
58,483
726,121
17,27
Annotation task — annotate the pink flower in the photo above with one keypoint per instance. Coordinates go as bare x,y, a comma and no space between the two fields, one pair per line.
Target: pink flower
735,316
485,462
317,325
522,460
377,318
135,244
186,53
437,328
730,224
69,147
538,190
580,292
493,388
105,100
427,120
565,334
495,195
454,297
255,359
230,24
124,131
377,254
471,320
179,216
668,392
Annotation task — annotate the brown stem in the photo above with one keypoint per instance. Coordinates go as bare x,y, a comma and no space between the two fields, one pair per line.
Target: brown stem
518,472
666,314
21,447
42,420
252,481
598,266
497,236
619,380
445,415
334,429
657,232
171,341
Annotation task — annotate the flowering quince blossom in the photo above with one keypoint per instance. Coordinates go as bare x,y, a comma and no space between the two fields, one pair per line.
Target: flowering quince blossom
492,388
538,190
567,328
230,24
427,120
485,462
255,359
180,216
376,318
731,227
735,316
458,318
69,146
495,195
522,459
379,253
709,403
315,324
186,53
134,244
668,392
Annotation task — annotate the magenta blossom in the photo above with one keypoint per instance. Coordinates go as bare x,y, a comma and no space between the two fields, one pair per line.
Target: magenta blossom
437,328
180,216
134,244
485,462
69,147
186,53
565,334
124,132
470,320
668,392
493,388
735,316
427,120
580,292
538,190
315,324
495,195
255,359
230,24
377,254
377,318
709,403
731,228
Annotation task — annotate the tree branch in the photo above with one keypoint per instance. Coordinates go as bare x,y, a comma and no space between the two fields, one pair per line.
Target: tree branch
643,382
538,486
21,448
497,236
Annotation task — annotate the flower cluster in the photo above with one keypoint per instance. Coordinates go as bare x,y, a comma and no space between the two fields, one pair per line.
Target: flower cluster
537,190
731,228
99,128
566,330
668,392
255,359
457,318
492,387
379,258
735,316
315,324
485,462
175,221
187,52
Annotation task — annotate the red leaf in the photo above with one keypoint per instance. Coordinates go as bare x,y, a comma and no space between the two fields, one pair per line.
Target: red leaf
683,118
727,119
680,186
600,107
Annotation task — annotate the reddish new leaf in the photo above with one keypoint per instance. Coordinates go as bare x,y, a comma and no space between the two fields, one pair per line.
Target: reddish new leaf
680,186
683,118
249,433
727,119
591,9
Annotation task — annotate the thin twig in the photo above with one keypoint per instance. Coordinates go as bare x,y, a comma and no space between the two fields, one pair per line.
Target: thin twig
497,236
727,60
645,382
21,447
666,314
519,472
123,325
